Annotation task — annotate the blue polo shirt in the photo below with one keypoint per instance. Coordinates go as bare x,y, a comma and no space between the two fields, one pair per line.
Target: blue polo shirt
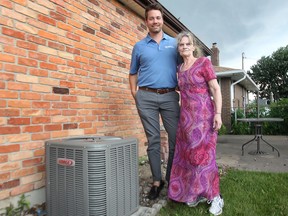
155,63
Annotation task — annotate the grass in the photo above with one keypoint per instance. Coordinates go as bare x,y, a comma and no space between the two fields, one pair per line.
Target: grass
245,193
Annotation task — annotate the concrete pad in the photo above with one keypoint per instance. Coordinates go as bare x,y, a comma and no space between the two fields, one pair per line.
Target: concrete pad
229,153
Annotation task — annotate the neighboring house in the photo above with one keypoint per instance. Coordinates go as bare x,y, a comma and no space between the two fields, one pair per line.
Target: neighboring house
235,86
64,73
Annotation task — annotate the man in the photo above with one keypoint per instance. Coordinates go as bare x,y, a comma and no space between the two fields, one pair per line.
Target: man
153,71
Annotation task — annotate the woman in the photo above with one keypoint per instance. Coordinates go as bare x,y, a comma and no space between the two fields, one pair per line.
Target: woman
194,175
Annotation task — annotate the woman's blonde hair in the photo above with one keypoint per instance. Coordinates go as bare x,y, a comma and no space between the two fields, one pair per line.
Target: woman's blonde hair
197,51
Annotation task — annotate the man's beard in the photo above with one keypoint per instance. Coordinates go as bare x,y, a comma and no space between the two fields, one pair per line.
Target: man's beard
158,29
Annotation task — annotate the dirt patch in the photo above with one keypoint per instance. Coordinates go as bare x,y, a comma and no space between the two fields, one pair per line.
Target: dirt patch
145,183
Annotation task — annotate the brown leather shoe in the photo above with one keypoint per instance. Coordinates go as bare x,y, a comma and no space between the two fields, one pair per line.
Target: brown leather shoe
155,191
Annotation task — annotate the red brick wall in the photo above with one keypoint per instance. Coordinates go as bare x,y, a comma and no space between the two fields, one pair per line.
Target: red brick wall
226,102
63,72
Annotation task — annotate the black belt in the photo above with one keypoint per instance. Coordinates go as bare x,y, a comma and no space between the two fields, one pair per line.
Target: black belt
158,91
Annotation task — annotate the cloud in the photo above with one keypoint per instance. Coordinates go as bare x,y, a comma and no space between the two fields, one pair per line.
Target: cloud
257,28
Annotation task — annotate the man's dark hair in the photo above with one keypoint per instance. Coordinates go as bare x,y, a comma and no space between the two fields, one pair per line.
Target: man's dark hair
154,6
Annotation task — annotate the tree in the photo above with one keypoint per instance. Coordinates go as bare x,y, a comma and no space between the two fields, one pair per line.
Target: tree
271,74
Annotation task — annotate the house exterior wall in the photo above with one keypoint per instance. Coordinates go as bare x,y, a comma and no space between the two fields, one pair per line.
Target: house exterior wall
239,99
225,84
63,73
240,95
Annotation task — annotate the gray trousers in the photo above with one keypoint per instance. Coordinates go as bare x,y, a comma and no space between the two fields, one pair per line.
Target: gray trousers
150,107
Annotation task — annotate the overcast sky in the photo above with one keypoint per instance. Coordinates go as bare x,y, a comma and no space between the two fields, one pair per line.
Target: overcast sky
255,27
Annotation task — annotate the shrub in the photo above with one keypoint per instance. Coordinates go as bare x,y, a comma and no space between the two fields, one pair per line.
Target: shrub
223,130
240,128
278,110
275,110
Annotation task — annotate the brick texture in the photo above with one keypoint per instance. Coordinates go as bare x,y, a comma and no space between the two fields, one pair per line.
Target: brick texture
63,73
226,106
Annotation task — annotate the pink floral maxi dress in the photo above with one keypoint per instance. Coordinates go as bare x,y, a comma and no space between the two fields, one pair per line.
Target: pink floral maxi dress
194,171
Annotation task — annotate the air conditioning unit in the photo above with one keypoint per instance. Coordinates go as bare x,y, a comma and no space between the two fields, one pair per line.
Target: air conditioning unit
92,176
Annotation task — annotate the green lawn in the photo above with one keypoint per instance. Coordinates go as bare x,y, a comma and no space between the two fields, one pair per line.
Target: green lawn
245,193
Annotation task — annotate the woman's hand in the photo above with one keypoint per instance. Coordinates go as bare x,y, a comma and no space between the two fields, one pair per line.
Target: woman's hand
217,121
